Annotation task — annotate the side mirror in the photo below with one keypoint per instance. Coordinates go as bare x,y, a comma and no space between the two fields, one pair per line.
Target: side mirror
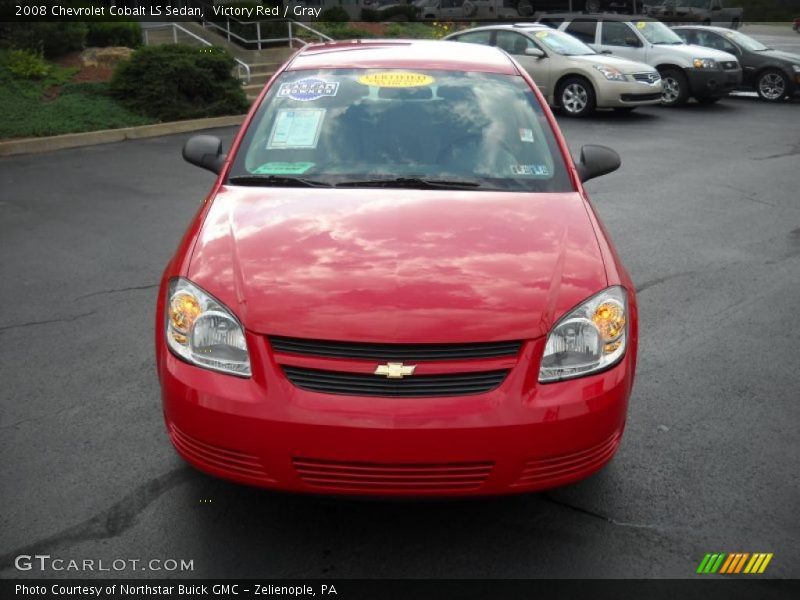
204,151
605,52
534,52
632,41
596,161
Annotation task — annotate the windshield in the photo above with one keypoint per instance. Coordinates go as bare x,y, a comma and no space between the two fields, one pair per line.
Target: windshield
745,41
356,126
563,43
656,32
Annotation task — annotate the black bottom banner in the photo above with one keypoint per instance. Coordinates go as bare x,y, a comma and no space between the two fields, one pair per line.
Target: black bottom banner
438,589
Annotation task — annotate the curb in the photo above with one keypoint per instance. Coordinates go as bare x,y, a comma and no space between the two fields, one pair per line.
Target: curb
107,136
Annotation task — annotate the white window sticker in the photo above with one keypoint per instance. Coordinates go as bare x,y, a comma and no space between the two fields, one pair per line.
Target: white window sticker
536,170
296,128
308,89
526,135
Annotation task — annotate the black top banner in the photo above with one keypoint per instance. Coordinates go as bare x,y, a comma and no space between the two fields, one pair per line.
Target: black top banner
250,11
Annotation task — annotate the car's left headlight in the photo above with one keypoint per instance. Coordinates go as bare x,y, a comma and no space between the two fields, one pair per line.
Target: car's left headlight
203,331
588,339
704,63
611,73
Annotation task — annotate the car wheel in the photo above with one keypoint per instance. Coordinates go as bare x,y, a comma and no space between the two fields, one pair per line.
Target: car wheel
676,87
709,99
576,97
772,86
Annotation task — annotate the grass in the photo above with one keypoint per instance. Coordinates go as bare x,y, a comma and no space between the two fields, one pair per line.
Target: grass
28,111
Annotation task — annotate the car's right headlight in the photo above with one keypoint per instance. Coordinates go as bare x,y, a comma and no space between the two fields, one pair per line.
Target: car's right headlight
611,73
704,63
203,331
590,338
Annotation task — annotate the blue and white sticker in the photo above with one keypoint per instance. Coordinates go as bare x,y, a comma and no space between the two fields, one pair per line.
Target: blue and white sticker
537,170
308,89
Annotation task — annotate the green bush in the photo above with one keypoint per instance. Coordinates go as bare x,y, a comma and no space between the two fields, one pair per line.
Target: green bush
114,33
403,12
179,82
51,39
335,14
26,65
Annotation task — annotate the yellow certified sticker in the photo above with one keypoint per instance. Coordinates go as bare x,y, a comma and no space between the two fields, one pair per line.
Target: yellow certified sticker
542,34
396,79
641,25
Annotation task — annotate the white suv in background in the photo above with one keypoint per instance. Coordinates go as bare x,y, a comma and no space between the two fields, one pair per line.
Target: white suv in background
687,71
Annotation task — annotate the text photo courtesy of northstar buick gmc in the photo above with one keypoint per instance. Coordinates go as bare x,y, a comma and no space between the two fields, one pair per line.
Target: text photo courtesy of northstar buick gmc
569,73
397,285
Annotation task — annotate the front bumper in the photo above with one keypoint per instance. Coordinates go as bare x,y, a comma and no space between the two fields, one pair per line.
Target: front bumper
521,436
705,83
612,94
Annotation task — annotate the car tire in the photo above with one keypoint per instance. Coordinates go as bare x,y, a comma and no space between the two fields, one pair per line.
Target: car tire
772,85
576,97
709,99
676,87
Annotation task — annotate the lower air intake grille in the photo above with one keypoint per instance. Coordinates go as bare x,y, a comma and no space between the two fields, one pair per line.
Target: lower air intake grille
564,466
400,352
223,459
639,97
376,477
358,384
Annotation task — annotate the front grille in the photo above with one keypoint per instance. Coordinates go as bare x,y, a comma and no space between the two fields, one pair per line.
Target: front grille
639,97
399,352
358,384
730,64
651,78
378,477
552,469
223,459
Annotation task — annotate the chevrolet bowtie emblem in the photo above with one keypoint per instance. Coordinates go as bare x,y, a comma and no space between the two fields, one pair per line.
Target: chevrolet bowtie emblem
395,370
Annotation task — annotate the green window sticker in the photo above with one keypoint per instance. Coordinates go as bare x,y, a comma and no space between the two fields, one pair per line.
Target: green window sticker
283,168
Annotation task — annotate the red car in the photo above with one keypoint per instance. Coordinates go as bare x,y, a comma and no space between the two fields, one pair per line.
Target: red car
397,285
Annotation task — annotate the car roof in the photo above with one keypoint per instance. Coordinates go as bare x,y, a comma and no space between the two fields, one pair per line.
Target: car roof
403,54
703,27
599,16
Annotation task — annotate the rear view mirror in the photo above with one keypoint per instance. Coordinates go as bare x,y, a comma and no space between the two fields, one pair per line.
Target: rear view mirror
534,52
632,41
596,161
204,151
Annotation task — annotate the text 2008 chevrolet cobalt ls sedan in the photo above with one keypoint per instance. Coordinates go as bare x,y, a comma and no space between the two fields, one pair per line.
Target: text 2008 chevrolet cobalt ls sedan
397,286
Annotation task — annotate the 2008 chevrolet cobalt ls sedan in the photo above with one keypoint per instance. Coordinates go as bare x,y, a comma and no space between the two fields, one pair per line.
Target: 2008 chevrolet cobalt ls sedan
397,285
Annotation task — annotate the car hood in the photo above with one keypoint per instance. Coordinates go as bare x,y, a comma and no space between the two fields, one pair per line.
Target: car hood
397,265
692,51
623,64
781,55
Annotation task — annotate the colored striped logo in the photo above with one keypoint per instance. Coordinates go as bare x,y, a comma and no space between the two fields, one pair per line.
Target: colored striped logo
734,563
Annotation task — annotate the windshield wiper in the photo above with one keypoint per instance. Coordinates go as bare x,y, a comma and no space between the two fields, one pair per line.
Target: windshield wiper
413,182
276,180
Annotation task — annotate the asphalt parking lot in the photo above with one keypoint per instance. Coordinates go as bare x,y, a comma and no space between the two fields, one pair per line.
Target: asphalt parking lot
705,214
